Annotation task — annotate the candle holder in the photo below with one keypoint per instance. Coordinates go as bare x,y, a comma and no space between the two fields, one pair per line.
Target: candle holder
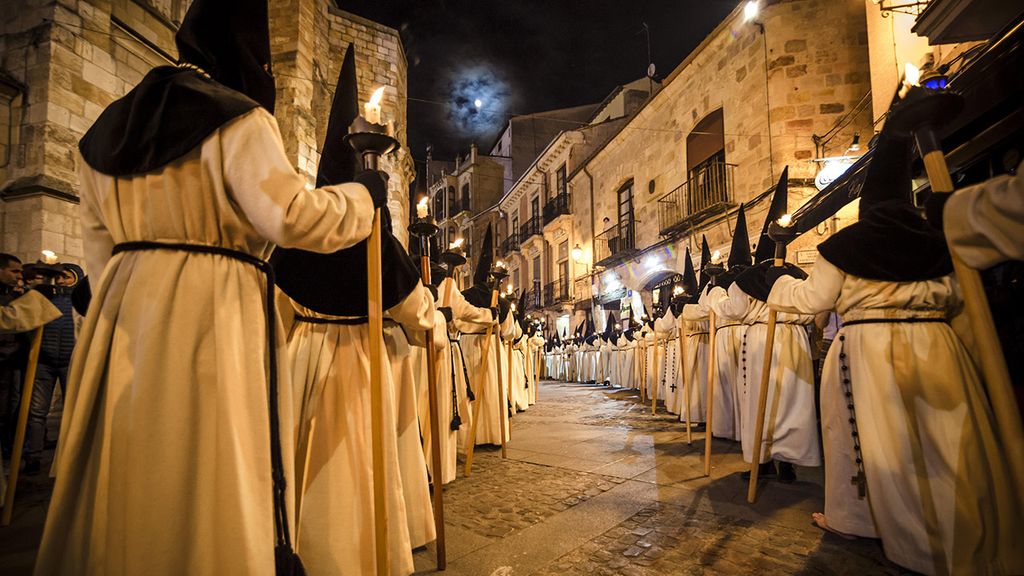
499,273
424,228
370,140
922,112
453,258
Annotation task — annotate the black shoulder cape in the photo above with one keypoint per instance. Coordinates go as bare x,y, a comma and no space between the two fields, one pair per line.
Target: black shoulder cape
166,116
756,283
892,244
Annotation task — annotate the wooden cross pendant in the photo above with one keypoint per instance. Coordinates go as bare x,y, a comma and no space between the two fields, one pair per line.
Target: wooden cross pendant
861,482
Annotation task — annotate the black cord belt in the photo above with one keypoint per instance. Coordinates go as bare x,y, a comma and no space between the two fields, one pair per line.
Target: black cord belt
730,325
283,543
896,321
343,321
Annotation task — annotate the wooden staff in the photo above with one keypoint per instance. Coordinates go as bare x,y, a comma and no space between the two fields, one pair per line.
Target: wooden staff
503,401
19,433
766,368
511,396
996,377
643,368
435,419
482,376
657,375
686,378
375,316
712,334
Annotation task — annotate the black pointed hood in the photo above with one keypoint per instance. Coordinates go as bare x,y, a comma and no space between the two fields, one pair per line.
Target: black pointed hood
891,241
757,283
486,260
336,283
230,41
739,253
779,206
689,275
705,259
609,327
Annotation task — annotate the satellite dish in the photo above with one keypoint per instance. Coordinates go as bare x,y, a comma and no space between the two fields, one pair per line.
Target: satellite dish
651,70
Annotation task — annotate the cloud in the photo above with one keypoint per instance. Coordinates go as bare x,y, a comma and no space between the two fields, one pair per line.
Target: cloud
477,82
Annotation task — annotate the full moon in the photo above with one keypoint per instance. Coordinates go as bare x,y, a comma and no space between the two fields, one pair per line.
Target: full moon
477,103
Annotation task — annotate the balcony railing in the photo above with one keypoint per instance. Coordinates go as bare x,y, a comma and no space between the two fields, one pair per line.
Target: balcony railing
457,206
531,227
708,190
510,244
533,300
556,292
556,207
617,241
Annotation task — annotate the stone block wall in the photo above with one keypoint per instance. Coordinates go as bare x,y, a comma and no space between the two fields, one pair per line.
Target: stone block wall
69,59
814,56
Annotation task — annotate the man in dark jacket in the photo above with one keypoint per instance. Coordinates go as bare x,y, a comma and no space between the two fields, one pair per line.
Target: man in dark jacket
10,288
54,359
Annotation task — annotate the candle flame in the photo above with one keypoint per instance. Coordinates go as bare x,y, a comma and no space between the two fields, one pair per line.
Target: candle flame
677,291
378,94
786,221
457,244
499,264
49,257
911,74
716,257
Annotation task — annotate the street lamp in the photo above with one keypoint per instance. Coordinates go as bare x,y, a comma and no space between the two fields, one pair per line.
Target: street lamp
577,254
750,10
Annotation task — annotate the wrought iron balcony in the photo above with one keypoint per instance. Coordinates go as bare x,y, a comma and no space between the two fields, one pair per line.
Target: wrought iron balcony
615,242
457,206
533,300
556,207
510,244
531,227
556,292
709,190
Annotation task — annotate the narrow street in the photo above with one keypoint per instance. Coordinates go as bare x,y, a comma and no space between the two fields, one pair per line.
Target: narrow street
594,484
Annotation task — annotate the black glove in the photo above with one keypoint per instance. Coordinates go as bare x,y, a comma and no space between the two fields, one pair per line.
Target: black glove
48,290
446,312
433,291
934,207
782,234
377,183
495,314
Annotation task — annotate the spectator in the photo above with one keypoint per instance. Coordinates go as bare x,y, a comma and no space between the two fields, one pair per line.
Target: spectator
54,359
10,367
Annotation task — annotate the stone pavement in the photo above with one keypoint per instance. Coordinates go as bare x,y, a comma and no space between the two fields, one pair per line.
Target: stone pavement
596,485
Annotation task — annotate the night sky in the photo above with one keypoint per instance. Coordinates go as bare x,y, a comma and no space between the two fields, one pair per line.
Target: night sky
523,56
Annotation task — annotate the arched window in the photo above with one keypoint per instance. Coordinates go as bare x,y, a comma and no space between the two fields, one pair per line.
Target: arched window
439,204
453,202
465,196
705,164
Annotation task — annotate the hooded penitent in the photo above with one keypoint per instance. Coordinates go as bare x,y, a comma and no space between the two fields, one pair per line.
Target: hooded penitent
479,294
705,259
175,108
891,241
609,328
739,253
336,283
690,288
756,282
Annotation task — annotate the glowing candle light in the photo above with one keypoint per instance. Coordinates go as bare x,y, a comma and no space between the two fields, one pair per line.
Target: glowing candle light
371,110
786,221
456,245
49,257
421,208
716,257
499,264
911,78
677,291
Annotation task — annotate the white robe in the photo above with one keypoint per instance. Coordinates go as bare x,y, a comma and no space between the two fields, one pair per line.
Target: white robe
695,367
452,396
670,390
726,421
488,429
410,387
790,432
164,464
937,490
27,312
985,223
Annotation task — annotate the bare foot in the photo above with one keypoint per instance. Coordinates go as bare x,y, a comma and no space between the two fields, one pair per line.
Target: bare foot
819,521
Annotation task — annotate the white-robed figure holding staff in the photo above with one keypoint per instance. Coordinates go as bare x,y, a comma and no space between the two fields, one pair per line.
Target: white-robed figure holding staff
329,346
176,440
910,450
693,371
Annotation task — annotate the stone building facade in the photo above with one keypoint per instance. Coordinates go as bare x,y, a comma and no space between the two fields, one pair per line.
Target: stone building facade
63,61
752,99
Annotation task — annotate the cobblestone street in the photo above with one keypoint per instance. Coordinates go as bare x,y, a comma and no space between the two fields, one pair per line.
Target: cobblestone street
594,484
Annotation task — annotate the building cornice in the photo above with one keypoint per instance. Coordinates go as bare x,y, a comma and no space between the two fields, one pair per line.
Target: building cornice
541,164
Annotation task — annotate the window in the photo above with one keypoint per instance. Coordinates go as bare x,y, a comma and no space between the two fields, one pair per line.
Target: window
536,274
563,270
560,180
535,207
465,196
453,202
626,216
439,204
